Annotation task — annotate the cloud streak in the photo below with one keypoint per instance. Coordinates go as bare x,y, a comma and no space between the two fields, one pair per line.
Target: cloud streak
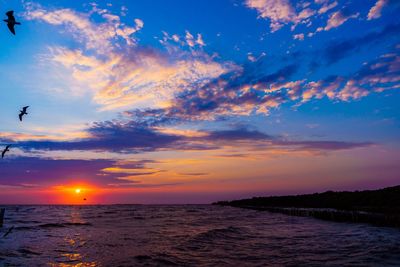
375,11
338,18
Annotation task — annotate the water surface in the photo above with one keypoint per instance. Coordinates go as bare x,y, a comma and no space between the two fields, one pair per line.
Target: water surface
187,235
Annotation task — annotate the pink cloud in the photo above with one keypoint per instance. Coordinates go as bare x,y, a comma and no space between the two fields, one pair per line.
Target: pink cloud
136,76
326,7
98,37
352,91
337,19
299,36
375,11
278,11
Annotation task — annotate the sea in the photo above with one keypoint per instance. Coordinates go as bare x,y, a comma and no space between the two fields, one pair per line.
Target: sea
187,235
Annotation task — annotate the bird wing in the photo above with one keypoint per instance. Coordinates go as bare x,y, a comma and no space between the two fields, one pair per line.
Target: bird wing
7,147
24,108
11,28
20,116
10,13
2,153
8,232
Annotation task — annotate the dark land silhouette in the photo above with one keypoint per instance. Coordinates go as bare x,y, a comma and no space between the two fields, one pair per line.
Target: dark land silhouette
379,207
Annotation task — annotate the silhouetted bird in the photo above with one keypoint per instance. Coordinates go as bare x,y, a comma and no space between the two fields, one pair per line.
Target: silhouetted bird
11,21
8,232
5,150
23,112
84,199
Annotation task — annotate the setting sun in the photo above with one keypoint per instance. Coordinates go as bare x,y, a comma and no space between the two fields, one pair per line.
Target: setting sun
78,191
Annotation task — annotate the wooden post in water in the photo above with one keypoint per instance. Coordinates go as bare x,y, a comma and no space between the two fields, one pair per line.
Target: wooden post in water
2,211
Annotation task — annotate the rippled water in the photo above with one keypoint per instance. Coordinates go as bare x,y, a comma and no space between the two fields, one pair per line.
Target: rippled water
192,235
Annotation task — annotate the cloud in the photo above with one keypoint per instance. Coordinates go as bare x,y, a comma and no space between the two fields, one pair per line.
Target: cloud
305,13
338,18
299,36
184,85
278,12
237,93
375,11
282,12
190,40
142,78
324,145
352,90
252,92
178,85
253,58
376,76
119,75
381,74
110,136
133,138
28,172
46,171
94,37
237,134
326,7
134,184
194,173
340,49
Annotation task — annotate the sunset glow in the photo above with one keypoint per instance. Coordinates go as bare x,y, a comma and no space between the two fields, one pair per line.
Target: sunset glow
183,102
199,133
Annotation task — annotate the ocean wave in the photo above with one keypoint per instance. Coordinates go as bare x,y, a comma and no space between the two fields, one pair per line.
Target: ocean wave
52,225
229,232
26,251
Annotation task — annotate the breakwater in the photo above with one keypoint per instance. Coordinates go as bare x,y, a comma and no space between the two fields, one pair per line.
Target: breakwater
379,219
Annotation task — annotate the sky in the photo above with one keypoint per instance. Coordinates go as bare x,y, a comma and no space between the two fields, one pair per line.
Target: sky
198,101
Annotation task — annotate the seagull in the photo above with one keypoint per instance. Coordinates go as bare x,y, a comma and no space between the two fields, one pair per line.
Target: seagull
8,232
5,150
23,112
11,21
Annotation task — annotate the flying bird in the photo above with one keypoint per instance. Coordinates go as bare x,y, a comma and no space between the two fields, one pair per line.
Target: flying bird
8,232
11,22
23,112
5,150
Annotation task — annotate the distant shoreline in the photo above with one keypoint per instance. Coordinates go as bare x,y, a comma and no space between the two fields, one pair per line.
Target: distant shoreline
378,207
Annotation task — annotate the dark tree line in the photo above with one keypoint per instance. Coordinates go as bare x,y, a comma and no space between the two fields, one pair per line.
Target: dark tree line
385,200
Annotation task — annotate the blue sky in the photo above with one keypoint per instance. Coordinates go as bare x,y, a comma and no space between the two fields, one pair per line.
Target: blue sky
184,90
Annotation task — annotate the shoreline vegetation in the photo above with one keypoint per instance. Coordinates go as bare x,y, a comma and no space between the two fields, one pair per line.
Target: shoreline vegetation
378,207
